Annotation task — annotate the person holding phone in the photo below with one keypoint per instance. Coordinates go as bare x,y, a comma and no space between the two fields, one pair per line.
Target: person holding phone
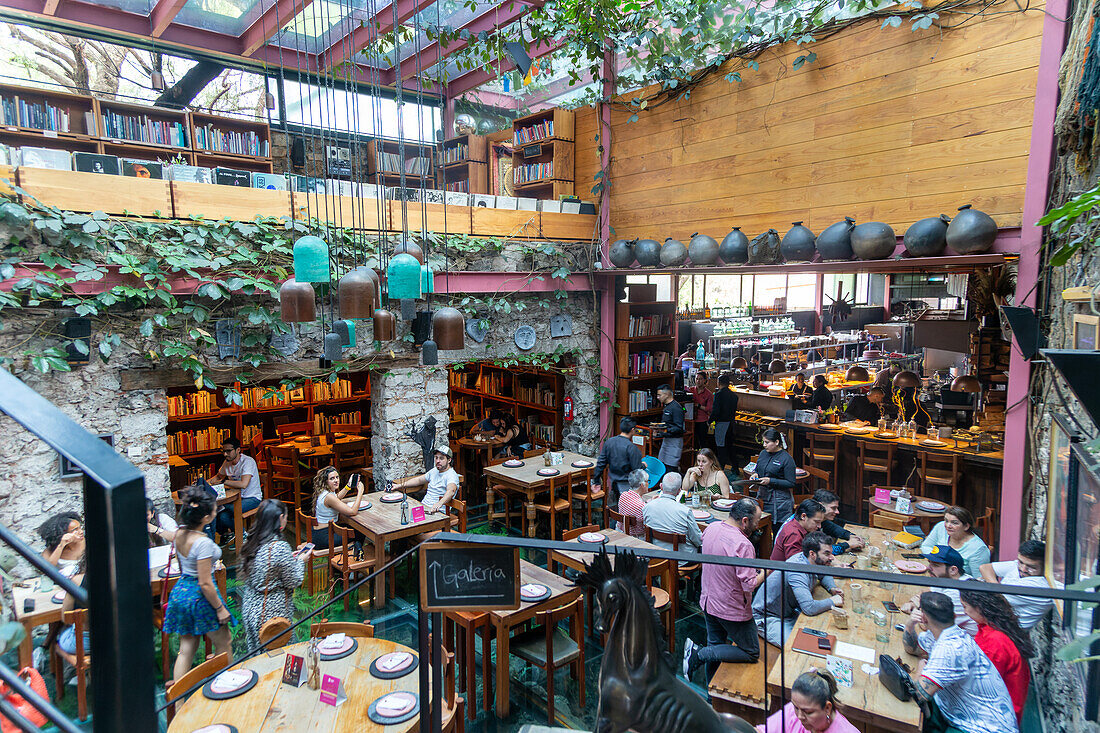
328,502
442,482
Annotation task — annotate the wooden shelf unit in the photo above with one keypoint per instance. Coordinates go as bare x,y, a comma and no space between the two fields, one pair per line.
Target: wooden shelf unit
659,320
555,149
309,403
478,387
378,172
472,167
205,125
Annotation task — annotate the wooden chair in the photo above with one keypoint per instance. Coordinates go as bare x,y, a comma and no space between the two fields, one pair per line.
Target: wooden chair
818,480
466,625
665,597
346,428
350,457
342,562
458,515
555,504
984,526
586,495
685,572
184,683
627,520
572,534
288,482
79,661
547,647
303,532
278,633
821,451
451,710
942,472
882,519
874,458
294,428
322,629
258,450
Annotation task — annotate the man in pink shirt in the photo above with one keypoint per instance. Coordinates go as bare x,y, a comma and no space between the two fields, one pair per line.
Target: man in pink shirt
727,594
806,518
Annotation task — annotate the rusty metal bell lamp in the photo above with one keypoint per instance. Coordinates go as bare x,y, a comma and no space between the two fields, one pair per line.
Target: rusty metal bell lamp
409,247
777,366
296,302
740,363
906,379
856,373
385,325
358,294
449,329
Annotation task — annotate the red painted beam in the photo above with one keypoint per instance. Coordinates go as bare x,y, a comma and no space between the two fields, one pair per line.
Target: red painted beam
269,23
479,76
382,23
50,7
162,15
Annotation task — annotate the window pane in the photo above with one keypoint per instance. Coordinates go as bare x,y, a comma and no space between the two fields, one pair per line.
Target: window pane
801,292
348,111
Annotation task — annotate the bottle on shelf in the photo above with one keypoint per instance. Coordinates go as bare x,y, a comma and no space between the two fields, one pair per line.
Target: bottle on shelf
700,353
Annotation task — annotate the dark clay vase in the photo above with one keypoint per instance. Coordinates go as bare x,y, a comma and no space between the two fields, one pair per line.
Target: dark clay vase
764,249
835,243
971,232
927,237
873,241
798,244
648,252
702,250
621,252
673,253
734,249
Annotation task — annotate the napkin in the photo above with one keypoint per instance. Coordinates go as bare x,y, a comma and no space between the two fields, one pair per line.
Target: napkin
394,661
532,589
333,641
395,703
231,680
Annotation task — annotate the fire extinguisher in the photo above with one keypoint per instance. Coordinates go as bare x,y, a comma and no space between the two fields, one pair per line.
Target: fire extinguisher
568,406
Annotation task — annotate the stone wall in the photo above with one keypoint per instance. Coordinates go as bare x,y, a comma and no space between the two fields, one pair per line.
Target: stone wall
402,402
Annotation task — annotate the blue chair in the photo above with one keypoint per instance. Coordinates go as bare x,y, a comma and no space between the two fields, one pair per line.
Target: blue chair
656,471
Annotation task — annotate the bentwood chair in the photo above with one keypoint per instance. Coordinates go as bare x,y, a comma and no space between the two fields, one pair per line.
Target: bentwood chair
984,526
349,628
685,572
451,709
549,648
585,494
351,457
184,683
346,428
627,520
942,472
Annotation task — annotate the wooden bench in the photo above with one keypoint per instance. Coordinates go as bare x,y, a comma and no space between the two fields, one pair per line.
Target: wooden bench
739,688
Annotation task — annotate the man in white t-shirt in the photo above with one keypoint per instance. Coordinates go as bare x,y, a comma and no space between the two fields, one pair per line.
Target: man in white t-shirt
442,482
237,472
1027,570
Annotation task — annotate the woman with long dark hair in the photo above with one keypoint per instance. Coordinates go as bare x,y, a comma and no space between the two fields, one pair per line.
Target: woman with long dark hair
775,470
161,527
329,505
270,571
195,607
1003,641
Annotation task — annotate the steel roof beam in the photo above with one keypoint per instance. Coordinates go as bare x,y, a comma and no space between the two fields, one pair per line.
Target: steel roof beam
382,23
270,22
490,71
162,15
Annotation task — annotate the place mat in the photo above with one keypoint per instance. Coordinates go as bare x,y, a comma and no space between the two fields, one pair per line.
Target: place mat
58,597
594,538
410,711
392,497
931,506
858,431
933,443
216,728
208,692
702,516
910,566
548,472
513,464
546,592
347,650
722,505
365,504
397,672
582,464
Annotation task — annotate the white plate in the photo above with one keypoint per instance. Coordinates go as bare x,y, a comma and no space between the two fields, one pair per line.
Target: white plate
722,503
933,443
592,537
931,506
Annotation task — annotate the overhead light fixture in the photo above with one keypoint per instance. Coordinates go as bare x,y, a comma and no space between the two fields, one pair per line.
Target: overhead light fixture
269,100
157,80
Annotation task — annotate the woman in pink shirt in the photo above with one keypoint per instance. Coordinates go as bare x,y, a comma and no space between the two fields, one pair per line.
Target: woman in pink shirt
812,709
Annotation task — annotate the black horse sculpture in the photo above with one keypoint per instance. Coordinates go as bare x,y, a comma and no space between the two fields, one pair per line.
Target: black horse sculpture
639,691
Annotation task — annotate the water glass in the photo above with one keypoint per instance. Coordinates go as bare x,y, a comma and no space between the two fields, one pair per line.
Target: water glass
882,626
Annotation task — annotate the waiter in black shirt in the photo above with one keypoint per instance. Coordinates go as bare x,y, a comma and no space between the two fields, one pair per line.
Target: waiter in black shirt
801,392
673,417
619,456
724,415
866,408
822,398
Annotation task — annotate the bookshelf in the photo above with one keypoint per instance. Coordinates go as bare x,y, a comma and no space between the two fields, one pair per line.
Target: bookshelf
148,127
542,159
645,355
464,164
44,119
199,420
531,395
384,161
230,142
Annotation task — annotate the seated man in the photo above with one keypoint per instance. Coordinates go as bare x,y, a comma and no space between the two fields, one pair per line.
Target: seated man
1026,571
959,685
239,471
807,518
665,514
945,561
866,409
491,427
442,482
833,524
631,502
777,604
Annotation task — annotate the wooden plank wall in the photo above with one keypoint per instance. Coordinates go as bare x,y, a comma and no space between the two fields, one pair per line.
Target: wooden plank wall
887,125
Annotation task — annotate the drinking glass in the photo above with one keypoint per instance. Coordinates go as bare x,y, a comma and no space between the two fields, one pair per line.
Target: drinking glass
882,626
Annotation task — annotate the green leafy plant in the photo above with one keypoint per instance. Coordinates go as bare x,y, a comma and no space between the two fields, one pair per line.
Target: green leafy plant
1064,220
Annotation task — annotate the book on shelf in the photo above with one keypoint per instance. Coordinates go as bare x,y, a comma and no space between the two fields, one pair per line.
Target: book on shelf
640,400
416,165
655,325
234,142
534,133
96,163
144,129
456,153
492,384
462,380
322,423
459,186
191,474
196,441
644,362
338,390
194,403
248,432
34,115
253,397
539,394
533,172
539,431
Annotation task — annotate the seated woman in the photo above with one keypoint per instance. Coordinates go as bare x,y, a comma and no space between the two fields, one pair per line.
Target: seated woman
516,439
812,709
161,527
1003,641
491,427
328,503
956,530
776,471
64,537
270,571
707,475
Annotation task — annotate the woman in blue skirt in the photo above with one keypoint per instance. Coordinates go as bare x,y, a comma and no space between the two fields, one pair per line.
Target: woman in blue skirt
195,608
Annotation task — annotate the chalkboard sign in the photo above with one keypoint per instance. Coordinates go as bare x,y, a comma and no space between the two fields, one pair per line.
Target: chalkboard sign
457,576
532,151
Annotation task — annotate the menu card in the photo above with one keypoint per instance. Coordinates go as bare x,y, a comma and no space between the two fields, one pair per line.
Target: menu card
332,691
418,514
294,671
882,496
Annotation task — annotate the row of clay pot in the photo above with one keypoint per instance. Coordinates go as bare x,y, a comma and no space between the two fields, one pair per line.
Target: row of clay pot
970,232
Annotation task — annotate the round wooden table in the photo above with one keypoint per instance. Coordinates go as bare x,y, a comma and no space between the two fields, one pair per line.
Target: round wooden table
921,517
481,452
273,706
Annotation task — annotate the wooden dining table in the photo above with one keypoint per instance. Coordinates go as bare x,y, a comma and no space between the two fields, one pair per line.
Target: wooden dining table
926,519
273,706
525,480
765,526
230,497
381,524
576,559
479,453
561,592
315,455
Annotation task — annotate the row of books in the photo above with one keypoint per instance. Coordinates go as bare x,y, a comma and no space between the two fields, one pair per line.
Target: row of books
535,132
196,441
645,362
249,432
459,186
539,394
456,153
39,116
338,390
191,474
655,325
253,397
639,400
196,403
145,129
322,423
533,172
492,384
209,137
462,380
540,432
392,163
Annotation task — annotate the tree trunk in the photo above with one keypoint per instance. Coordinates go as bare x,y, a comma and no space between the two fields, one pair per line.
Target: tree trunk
181,93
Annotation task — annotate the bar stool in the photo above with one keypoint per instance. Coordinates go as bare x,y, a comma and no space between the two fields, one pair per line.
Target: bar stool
466,626
822,451
874,458
939,470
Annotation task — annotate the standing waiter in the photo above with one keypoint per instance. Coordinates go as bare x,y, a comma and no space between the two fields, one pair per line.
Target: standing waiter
673,417
619,456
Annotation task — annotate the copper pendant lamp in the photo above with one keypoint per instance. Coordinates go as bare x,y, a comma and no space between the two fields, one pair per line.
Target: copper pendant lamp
410,247
856,373
358,294
296,302
966,383
740,363
906,379
385,325
449,329
777,366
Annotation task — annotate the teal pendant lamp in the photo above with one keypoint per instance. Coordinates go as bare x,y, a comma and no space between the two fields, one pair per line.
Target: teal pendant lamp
427,280
403,277
346,331
311,260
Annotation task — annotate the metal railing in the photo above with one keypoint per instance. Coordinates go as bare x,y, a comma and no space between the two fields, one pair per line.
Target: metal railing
117,573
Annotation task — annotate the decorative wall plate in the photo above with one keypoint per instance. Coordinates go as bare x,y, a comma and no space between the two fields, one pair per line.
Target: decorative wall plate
525,337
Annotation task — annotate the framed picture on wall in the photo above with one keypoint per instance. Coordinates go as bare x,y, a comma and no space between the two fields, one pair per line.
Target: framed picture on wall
1086,332
69,470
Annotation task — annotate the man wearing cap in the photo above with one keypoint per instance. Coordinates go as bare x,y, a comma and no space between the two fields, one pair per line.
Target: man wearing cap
944,561
442,482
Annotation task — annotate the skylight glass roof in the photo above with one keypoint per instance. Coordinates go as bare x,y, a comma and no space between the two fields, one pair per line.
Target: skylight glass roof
221,16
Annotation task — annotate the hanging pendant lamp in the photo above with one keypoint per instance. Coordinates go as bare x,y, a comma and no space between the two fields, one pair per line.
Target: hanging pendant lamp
346,331
156,80
449,329
358,294
296,302
906,379
429,353
332,347
403,277
311,260
409,247
385,325
269,100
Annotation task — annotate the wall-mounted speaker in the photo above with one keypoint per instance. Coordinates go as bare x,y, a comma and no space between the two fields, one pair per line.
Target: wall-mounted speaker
77,329
298,152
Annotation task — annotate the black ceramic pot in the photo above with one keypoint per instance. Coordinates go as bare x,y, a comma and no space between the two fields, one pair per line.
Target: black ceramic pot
673,253
621,252
873,241
927,237
798,244
835,243
734,249
971,232
764,249
702,250
648,252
